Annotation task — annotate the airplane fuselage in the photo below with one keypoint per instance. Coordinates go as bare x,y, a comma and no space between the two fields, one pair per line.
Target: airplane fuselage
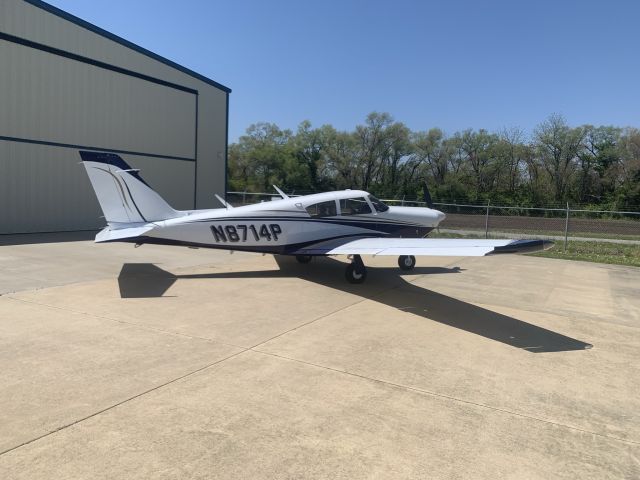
284,226
347,222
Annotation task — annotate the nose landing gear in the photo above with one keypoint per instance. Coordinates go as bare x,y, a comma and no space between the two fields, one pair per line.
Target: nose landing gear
356,272
406,262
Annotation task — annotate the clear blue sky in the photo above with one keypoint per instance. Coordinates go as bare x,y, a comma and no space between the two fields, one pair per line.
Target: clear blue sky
451,64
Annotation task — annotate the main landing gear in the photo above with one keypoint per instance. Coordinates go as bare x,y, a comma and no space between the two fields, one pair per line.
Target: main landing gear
356,272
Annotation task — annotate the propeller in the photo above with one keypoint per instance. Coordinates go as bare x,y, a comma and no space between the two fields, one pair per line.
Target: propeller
426,195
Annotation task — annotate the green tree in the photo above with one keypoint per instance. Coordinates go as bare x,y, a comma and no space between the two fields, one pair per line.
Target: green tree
598,162
627,195
372,143
261,154
557,146
341,153
478,156
589,164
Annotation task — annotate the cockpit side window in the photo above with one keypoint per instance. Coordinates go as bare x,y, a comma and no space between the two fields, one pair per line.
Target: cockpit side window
322,209
354,206
379,205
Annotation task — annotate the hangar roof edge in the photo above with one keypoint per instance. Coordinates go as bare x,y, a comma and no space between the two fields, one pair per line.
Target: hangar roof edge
100,31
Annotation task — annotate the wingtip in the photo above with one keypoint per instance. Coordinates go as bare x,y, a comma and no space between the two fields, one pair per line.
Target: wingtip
524,246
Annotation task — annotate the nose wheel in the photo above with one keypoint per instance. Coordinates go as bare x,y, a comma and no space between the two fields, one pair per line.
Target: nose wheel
356,272
406,262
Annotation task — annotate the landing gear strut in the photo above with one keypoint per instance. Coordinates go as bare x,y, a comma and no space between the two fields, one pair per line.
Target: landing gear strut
406,262
356,272
303,258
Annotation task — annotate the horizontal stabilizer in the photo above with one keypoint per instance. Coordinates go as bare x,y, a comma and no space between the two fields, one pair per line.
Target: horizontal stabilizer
109,235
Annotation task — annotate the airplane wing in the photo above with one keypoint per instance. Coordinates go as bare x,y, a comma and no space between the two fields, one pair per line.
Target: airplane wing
453,247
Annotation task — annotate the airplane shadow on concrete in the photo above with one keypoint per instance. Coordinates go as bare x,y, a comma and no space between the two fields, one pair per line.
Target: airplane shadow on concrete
383,285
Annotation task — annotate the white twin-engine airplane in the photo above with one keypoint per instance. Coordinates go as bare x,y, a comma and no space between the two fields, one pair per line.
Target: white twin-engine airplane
348,222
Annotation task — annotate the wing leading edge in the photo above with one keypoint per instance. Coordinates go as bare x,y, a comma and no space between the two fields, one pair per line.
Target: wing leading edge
446,247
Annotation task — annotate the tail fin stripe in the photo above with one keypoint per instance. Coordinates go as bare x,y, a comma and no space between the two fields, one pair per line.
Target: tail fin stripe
120,190
133,200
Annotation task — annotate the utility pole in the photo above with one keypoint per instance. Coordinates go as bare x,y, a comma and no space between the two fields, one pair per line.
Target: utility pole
566,228
486,221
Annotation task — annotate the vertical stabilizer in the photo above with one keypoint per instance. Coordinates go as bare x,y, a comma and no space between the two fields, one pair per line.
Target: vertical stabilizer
122,193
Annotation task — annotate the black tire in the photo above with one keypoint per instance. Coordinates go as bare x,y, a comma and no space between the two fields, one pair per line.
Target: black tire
355,274
406,262
303,258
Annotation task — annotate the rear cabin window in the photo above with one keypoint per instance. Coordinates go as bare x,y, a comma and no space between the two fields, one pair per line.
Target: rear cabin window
322,209
354,206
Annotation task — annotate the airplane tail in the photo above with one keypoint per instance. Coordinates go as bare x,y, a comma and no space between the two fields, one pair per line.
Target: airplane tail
123,195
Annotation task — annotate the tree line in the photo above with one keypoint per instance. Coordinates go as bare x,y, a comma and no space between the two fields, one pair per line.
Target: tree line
557,163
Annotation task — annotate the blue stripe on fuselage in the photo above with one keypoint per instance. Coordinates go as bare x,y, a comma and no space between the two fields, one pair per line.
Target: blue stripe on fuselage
407,230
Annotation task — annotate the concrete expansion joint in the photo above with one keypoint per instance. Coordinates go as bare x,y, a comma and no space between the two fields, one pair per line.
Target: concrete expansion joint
174,380
121,403
124,322
256,348
448,397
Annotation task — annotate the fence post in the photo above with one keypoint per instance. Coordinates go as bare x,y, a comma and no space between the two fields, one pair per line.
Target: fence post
486,221
566,228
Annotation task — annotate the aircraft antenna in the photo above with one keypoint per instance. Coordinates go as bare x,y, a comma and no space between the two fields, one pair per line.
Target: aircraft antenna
281,193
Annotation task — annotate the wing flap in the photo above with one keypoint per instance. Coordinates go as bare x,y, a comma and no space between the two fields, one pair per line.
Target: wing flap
453,247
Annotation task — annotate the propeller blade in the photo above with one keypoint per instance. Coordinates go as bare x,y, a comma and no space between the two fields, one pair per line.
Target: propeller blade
427,195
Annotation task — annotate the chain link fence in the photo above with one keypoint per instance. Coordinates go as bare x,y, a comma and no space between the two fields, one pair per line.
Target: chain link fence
491,221
565,224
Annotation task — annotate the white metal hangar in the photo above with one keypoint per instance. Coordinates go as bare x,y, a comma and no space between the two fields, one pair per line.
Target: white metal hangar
67,85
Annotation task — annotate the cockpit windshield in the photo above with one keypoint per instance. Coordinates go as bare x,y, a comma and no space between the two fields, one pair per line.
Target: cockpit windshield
379,205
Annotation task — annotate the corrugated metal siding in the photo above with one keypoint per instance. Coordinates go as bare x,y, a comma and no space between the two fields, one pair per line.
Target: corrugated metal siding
49,98
212,139
45,189
22,19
